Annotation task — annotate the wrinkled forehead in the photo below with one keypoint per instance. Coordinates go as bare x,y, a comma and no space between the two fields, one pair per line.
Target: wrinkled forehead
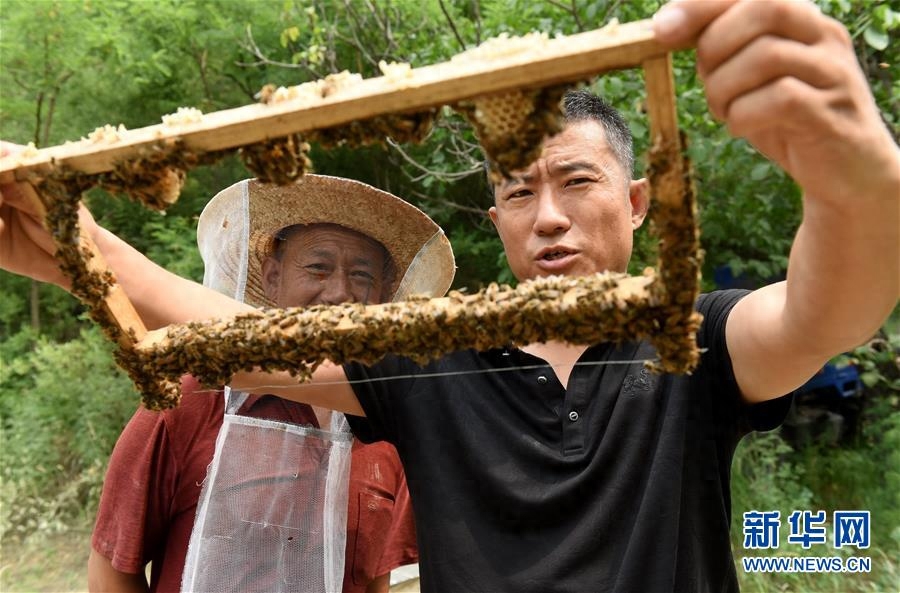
328,238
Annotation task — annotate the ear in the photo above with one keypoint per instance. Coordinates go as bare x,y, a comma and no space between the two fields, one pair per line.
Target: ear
492,212
639,196
271,278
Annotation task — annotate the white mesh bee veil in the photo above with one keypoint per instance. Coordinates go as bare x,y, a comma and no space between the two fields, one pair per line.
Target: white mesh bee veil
273,509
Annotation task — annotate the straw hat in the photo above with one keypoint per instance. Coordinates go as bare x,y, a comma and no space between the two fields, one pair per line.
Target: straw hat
236,229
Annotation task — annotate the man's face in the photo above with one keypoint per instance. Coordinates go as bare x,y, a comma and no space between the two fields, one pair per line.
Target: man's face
326,265
573,211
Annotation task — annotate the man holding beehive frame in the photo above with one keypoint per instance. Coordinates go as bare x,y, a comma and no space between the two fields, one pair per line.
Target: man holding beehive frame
628,489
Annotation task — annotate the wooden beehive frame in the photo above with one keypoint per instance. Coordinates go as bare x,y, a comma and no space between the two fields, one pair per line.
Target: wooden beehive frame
657,306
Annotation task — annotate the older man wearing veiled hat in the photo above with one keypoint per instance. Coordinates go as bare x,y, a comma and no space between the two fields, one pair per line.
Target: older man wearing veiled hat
248,492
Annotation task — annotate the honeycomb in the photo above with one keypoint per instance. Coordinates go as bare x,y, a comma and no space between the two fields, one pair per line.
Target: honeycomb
504,114
511,127
279,160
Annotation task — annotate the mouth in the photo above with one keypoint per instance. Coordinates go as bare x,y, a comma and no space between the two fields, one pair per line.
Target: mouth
554,253
556,260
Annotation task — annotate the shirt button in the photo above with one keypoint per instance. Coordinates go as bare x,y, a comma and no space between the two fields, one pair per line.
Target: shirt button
542,380
573,415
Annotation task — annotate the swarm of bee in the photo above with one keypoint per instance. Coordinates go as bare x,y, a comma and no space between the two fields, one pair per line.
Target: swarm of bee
156,176
511,127
280,161
61,194
403,128
680,257
584,310
90,286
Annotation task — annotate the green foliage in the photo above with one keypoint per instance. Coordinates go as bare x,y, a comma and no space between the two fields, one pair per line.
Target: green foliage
57,311
175,247
864,474
478,260
71,66
879,365
63,407
873,26
764,477
769,475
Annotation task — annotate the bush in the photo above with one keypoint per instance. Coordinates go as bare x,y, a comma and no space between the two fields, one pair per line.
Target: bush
769,475
63,407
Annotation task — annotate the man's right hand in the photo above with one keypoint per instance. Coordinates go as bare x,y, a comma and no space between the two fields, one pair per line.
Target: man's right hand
26,247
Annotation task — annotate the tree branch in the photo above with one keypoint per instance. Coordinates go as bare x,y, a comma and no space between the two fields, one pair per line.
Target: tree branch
356,26
609,9
242,85
37,117
443,176
481,212
459,39
477,8
384,25
263,60
200,58
571,9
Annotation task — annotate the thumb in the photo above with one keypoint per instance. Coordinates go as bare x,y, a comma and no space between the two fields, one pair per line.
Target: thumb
22,196
679,23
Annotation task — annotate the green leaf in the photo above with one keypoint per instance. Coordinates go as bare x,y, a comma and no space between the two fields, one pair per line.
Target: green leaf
885,17
638,129
871,378
288,35
876,37
760,171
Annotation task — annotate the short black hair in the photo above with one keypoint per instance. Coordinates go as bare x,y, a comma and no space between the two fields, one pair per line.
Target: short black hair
581,105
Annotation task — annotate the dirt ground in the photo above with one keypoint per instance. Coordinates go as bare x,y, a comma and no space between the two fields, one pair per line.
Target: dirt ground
54,563
58,564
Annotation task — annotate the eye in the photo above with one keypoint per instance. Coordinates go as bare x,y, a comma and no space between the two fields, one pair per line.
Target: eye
317,269
578,181
519,193
363,275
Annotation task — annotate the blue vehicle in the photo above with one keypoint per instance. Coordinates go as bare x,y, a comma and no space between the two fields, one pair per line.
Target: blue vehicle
826,408
834,381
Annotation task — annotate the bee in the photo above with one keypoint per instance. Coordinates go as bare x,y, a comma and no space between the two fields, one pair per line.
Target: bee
281,160
265,94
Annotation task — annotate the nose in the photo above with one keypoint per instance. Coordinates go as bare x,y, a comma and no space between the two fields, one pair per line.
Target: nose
337,288
550,218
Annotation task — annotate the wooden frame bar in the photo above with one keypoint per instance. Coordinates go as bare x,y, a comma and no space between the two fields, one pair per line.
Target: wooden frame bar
561,60
657,306
114,304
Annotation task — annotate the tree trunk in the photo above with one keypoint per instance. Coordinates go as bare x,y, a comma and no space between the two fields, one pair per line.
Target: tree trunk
35,300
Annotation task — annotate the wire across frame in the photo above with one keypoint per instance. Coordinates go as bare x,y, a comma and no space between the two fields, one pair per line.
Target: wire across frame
657,306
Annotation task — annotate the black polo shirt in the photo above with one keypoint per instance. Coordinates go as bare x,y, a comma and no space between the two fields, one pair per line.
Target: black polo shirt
619,484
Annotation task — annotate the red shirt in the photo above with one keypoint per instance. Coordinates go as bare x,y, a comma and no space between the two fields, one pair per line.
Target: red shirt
155,474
